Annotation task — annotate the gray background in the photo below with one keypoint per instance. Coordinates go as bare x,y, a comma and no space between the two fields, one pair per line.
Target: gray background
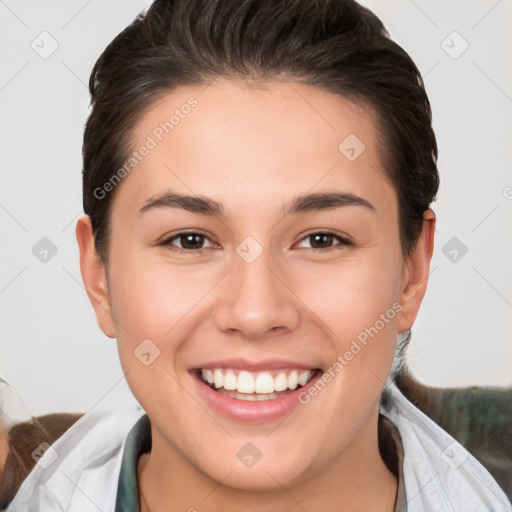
52,351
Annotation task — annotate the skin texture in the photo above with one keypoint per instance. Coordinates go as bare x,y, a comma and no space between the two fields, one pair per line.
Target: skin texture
254,149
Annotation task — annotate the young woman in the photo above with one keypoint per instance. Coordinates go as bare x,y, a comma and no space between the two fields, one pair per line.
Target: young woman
257,182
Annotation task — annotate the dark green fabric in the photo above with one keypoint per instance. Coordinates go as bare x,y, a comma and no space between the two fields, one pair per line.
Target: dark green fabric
138,442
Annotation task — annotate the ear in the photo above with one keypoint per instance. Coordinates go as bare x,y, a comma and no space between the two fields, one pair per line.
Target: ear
94,276
415,275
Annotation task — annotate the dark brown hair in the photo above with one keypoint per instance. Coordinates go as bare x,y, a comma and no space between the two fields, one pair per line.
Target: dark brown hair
335,45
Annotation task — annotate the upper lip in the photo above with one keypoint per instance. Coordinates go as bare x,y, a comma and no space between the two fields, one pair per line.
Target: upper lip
252,365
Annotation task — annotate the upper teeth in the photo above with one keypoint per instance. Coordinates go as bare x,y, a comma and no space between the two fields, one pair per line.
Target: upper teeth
258,382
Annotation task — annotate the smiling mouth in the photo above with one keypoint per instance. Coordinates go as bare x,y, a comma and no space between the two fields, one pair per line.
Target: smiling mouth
255,386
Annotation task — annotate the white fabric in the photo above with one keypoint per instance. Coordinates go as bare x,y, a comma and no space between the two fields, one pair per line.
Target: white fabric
84,476
439,474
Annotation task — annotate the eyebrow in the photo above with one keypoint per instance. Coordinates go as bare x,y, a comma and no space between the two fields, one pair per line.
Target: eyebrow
326,201
303,204
195,204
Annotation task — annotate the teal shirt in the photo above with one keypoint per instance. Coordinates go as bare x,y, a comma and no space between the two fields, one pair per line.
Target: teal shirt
138,442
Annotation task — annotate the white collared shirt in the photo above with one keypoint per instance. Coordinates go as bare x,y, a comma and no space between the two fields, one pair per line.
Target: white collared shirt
80,471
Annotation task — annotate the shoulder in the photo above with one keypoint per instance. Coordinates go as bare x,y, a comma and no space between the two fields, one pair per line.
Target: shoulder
20,445
439,473
79,471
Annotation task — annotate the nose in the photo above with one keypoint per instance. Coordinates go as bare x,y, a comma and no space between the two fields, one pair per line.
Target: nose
256,299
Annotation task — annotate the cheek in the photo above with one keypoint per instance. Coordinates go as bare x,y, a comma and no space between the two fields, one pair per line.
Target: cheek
161,302
352,296
154,305
358,305
150,298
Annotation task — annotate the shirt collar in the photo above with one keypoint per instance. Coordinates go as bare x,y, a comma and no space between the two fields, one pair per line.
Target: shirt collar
138,442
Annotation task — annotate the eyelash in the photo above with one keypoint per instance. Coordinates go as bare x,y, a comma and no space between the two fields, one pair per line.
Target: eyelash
343,241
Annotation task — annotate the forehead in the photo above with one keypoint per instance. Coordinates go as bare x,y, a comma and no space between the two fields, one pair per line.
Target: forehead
241,143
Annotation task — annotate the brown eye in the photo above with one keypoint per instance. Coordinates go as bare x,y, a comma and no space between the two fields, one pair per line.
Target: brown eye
192,241
324,240
321,240
188,241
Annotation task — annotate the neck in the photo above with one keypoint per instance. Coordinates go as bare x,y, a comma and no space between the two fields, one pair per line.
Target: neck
356,479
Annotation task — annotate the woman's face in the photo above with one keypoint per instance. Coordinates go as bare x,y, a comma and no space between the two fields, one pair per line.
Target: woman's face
278,283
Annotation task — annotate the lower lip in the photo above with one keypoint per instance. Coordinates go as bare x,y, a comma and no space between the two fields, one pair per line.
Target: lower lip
246,411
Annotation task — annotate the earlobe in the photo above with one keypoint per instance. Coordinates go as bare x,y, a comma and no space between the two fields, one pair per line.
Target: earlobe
94,276
416,271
